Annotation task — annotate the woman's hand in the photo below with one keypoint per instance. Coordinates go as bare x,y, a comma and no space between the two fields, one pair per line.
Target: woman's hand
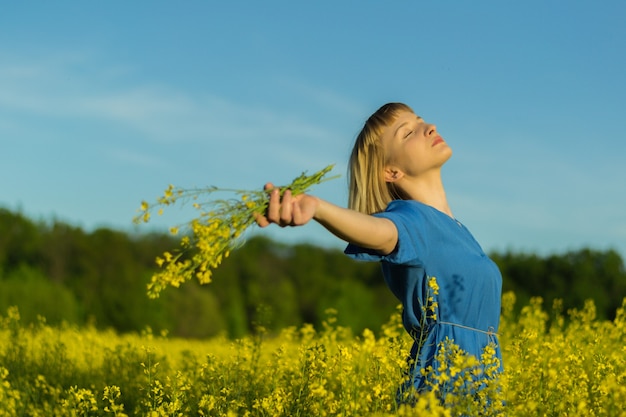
361,229
288,211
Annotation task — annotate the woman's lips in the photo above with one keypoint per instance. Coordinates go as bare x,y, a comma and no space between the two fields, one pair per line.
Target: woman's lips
437,141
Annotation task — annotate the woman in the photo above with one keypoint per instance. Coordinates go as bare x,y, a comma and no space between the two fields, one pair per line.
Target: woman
399,215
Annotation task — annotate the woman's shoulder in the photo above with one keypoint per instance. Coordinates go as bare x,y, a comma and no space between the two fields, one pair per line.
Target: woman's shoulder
415,211
407,205
406,211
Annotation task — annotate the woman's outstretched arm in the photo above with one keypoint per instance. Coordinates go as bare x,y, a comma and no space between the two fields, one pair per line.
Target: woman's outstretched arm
358,228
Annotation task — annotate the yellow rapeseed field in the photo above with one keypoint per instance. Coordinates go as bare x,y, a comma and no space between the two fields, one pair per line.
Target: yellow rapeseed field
556,364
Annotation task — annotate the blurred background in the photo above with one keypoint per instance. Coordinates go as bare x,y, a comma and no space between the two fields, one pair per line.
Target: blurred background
102,105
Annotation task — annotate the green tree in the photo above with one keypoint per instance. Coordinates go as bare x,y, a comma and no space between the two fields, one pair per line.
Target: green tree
573,277
37,297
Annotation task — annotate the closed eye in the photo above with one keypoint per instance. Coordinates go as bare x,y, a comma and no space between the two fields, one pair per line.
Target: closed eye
409,133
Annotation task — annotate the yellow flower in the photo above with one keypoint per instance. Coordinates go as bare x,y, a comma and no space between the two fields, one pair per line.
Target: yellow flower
432,284
214,232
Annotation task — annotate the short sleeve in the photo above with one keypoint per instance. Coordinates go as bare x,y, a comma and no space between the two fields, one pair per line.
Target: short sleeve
409,221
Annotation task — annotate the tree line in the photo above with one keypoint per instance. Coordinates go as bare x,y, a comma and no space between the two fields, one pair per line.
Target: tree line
62,273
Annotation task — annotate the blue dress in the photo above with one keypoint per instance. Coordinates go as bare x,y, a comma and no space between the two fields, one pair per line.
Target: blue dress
467,306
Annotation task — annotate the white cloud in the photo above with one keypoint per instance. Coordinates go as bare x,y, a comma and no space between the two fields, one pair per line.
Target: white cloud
160,112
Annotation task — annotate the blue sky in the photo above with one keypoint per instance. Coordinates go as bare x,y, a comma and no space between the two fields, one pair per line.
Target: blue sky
103,104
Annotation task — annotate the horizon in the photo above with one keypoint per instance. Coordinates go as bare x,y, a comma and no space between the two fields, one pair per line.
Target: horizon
104,105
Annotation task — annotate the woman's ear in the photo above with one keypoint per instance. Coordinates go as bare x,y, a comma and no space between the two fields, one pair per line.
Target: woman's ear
392,174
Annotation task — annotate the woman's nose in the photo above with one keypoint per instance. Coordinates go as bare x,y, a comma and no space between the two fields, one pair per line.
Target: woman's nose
431,129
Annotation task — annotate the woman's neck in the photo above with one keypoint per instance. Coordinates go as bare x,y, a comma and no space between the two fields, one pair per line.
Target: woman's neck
427,190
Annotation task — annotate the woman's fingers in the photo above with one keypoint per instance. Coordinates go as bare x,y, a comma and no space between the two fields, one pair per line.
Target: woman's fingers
297,217
279,210
273,210
286,209
261,220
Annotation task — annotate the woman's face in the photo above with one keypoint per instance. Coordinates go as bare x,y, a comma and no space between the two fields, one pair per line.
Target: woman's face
413,147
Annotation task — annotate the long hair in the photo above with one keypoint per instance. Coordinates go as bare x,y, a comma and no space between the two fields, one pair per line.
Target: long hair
368,191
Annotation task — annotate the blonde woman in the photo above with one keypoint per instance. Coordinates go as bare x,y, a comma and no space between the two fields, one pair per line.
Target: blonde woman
398,214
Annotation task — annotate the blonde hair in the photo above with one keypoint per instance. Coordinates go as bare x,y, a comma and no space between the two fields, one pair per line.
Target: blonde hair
368,191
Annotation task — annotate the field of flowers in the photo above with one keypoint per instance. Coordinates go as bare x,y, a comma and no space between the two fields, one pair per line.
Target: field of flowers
557,364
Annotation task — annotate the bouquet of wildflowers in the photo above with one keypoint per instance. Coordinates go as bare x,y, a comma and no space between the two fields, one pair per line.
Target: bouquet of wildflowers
218,228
